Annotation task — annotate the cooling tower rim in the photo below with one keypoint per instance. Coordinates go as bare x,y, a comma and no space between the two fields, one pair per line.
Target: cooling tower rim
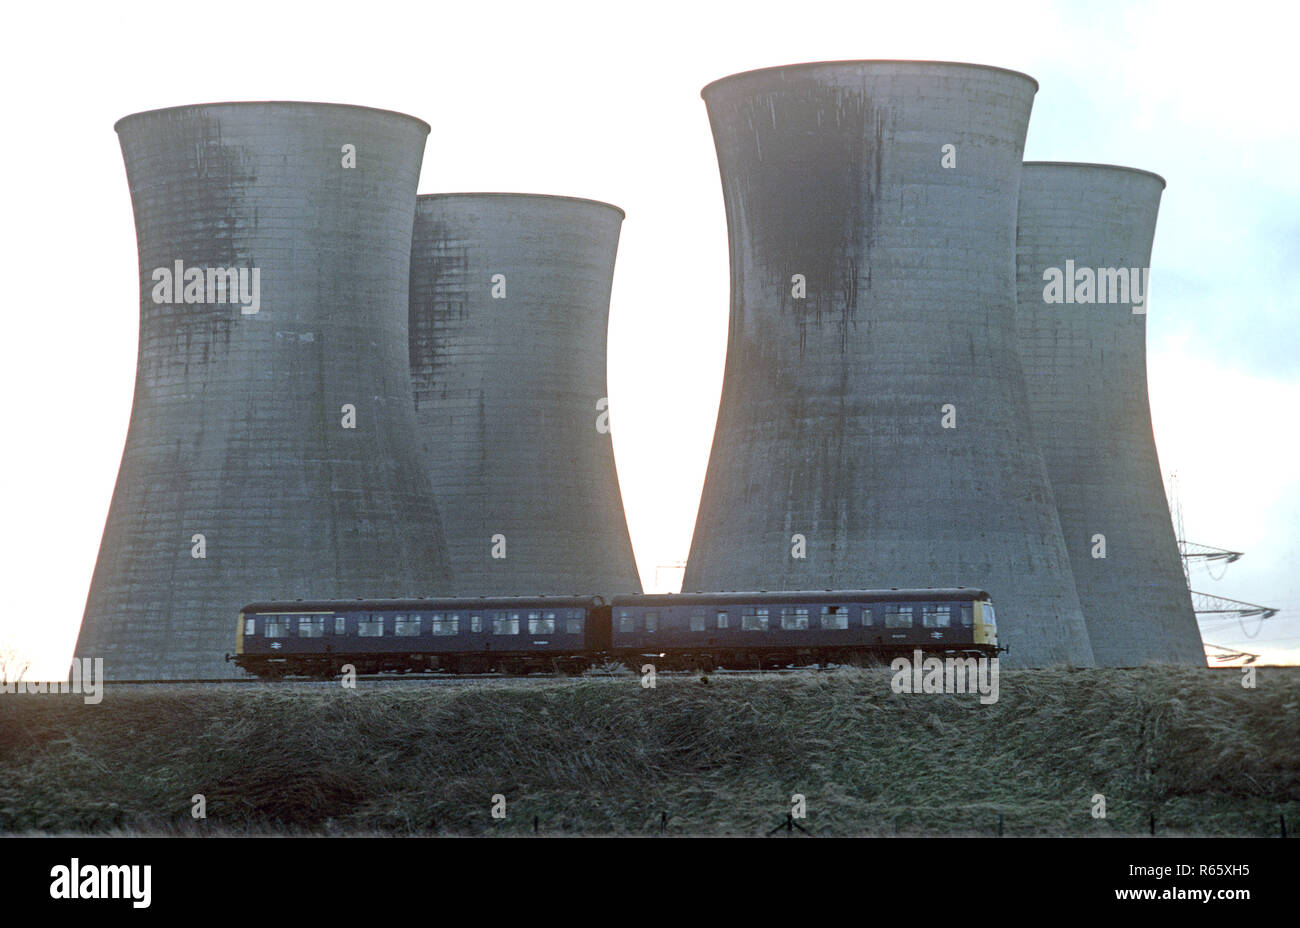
865,61
117,126
1098,165
528,196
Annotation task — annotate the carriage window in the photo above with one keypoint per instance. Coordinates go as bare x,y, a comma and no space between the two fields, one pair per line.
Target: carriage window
898,616
340,625
722,620
250,626
573,624
506,625
966,619
311,627
541,623
476,623
442,624
988,615
277,626
936,616
753,620
652,621
370,626
867,617
795,617
697,622
835,617
406,626
626,621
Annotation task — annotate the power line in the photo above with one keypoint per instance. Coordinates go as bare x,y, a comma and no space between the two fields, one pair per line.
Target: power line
1212,611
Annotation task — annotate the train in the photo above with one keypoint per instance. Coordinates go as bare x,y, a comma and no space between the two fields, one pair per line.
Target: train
571,634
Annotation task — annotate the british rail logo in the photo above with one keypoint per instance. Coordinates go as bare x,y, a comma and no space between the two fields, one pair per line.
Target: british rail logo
1097,285
948,675
105,881
178,284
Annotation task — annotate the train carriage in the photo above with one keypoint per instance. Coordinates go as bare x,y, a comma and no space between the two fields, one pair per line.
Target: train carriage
458,635
764,629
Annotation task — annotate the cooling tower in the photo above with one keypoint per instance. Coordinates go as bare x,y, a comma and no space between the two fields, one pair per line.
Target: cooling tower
509,314
1084,245
271,450
873,415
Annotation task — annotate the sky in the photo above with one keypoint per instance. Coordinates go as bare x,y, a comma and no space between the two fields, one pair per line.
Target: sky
601,100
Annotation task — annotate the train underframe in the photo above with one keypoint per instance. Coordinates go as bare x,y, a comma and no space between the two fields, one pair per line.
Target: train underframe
780,658
329,666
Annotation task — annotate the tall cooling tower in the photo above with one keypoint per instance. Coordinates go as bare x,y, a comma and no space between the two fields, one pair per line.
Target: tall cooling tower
1083,345
271,450
509,315
873,415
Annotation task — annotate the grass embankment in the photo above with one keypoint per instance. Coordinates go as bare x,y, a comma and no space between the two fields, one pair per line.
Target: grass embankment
605,756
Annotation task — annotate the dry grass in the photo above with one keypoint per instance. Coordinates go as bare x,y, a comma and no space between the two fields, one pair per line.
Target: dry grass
604,756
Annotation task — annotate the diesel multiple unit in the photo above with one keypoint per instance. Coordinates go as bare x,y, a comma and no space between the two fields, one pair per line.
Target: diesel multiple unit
517,635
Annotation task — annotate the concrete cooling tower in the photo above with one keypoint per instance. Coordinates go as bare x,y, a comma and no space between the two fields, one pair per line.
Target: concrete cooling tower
271,450
509,315
873,428
1084,247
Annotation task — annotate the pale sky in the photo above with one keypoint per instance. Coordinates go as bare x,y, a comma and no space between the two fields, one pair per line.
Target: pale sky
601,100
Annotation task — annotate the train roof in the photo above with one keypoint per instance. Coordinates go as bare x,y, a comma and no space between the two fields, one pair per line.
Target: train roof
777,597
952,594
446,602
